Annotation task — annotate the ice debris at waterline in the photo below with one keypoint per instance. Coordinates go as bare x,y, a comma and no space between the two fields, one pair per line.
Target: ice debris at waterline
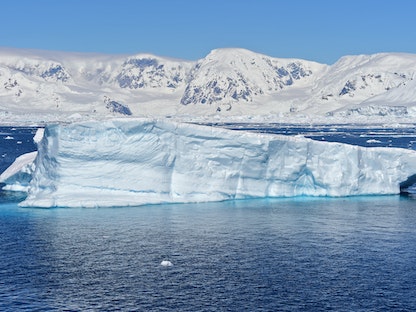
143,161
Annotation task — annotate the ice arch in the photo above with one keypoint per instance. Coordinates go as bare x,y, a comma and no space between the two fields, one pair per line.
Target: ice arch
408,186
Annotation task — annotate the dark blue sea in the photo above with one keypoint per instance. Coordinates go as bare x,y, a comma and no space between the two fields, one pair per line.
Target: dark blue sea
293,254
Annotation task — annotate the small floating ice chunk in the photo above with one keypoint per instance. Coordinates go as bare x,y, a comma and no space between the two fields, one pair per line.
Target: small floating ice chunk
166,263
373,141
9,137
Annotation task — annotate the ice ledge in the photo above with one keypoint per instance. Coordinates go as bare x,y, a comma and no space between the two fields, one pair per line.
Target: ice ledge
18,175
143,161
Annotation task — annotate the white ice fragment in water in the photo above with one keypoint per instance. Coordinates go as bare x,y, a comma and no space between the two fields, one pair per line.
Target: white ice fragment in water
166,263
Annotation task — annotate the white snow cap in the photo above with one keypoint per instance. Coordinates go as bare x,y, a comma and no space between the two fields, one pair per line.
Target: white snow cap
42,86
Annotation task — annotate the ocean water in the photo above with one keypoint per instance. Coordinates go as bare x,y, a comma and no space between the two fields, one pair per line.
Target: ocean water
288,254
298,254
370,136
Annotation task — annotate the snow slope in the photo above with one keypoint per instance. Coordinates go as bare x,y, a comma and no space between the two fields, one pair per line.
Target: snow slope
228,83
379,84
226,77
146,161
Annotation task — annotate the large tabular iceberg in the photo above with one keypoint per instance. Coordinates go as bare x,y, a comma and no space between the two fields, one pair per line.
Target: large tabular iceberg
142,161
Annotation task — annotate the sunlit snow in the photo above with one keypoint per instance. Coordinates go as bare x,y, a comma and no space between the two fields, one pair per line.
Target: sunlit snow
227,84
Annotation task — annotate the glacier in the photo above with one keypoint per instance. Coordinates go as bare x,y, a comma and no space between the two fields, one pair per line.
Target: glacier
129,162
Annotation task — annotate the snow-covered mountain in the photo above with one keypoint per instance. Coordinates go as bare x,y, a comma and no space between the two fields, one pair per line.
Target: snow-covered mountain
371,84
229,76
46,85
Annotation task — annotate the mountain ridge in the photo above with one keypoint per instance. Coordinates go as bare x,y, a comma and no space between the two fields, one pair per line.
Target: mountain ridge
227,82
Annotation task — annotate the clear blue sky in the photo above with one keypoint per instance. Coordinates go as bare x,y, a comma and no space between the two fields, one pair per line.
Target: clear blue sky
318,30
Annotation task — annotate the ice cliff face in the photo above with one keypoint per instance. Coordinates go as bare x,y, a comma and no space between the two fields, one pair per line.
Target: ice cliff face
135,162
227,82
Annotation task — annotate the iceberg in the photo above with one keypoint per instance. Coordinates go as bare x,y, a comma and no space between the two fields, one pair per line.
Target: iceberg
18,175
129,162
